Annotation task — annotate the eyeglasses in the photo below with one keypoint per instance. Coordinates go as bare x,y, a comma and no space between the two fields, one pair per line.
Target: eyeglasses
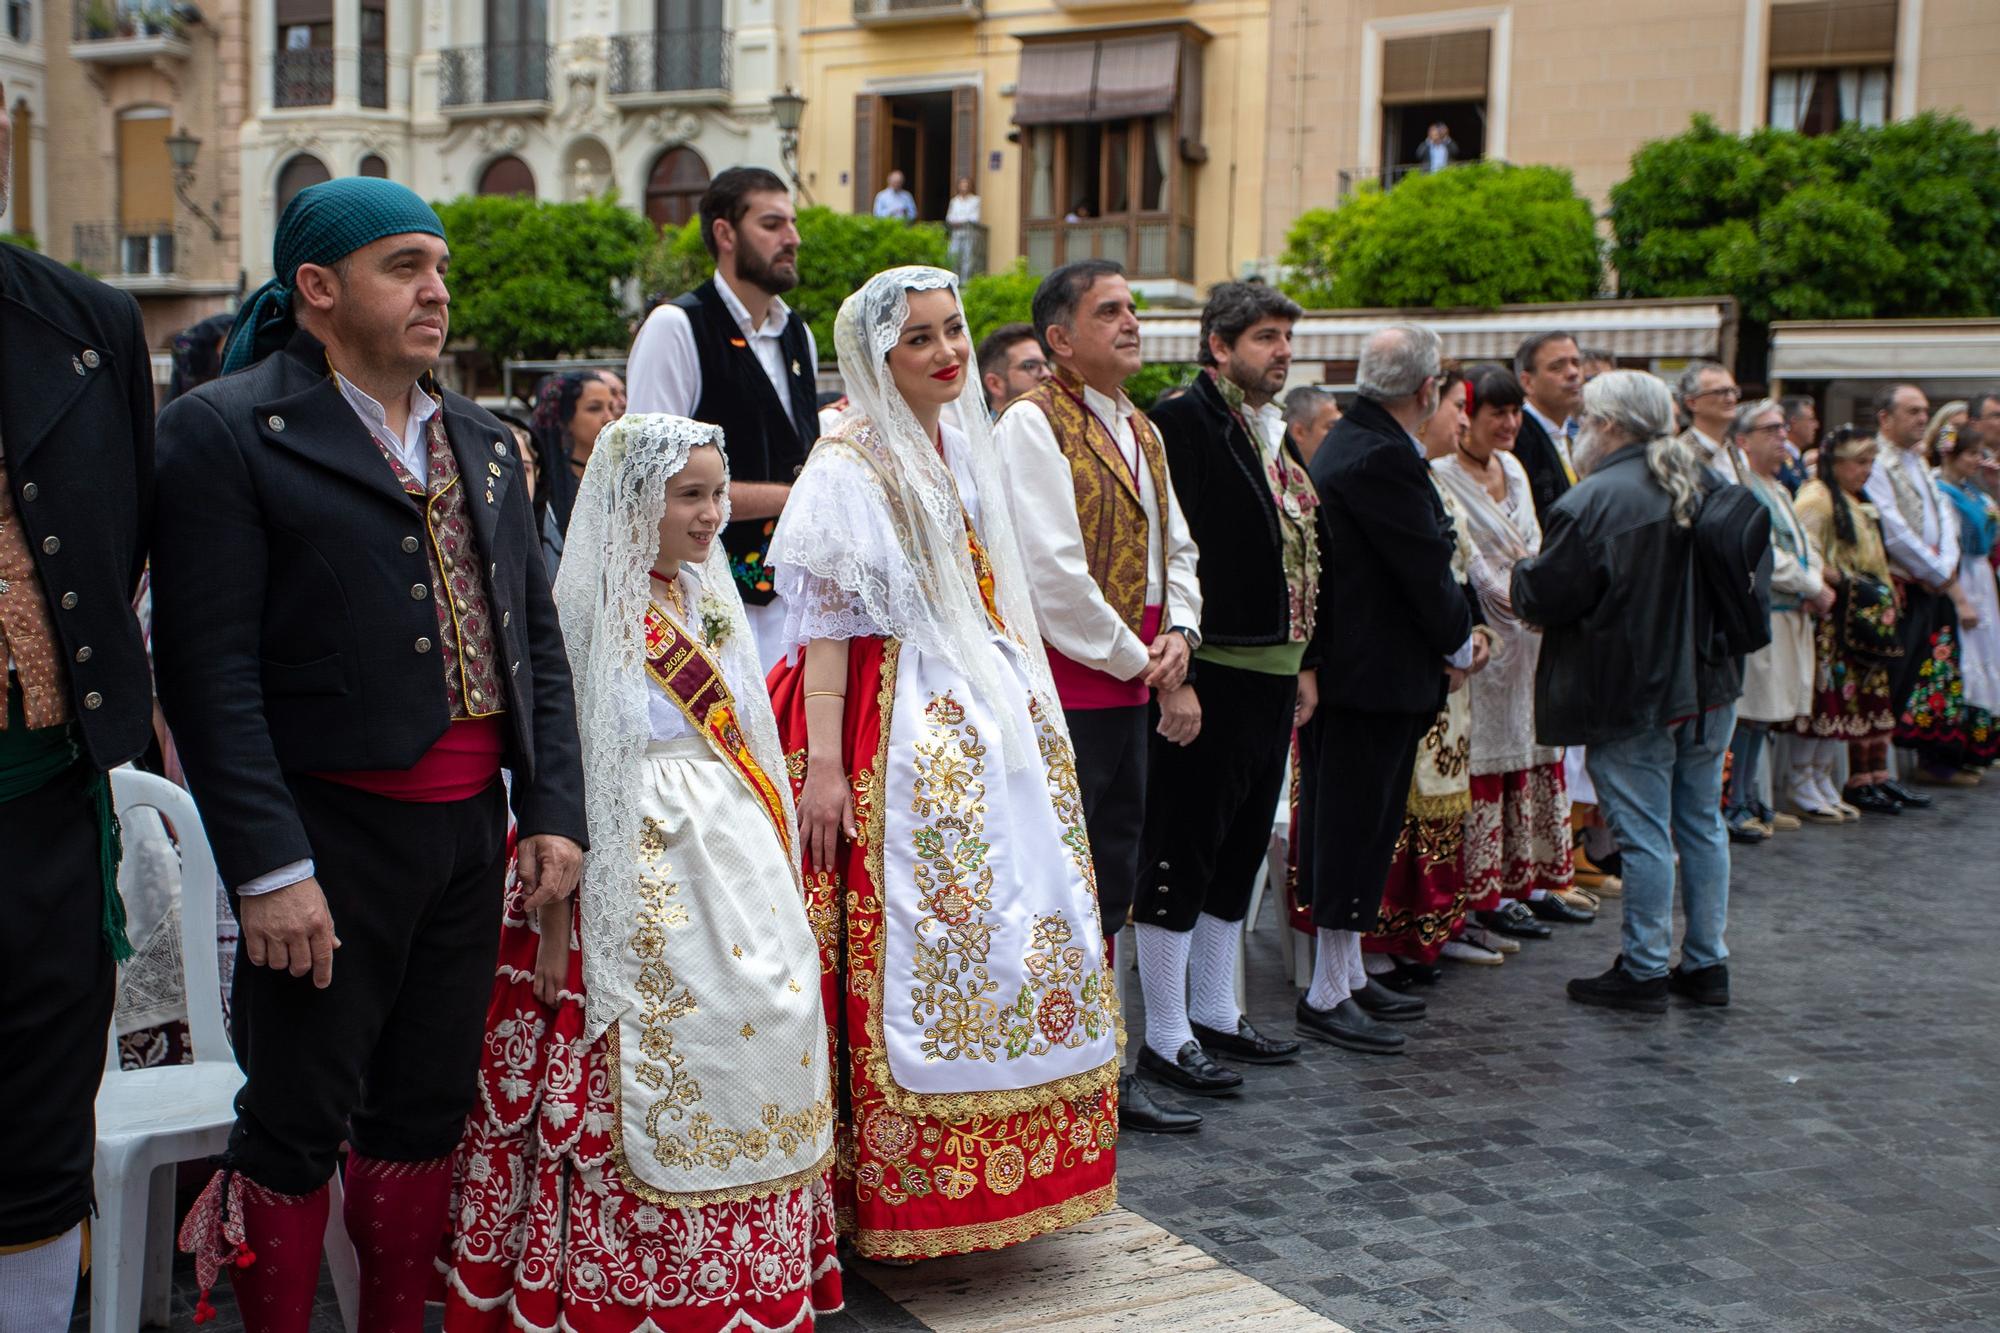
1035,366
1729,391
1768,428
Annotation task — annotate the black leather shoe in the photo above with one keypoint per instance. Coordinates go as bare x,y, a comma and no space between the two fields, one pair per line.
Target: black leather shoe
1347,1024
1703,985
1903,796
1514,920
1191,1070
1871,799
1548,907
1405,974
1138,1111
1619,989
1247,1044
1378,1001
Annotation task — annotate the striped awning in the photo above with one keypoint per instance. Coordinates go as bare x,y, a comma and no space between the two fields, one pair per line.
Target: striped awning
1692,327
1881,349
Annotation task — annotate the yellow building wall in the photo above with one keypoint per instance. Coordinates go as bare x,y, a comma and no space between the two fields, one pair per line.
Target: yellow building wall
842,60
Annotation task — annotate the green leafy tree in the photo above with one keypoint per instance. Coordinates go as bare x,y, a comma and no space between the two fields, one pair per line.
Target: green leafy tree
1483,234
1863,223
1006,297
837,253
1145,388
533,279
25,240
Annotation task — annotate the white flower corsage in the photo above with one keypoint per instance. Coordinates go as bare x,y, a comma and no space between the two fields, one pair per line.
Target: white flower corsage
714,618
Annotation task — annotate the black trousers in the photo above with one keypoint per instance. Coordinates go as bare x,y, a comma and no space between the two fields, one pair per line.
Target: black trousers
387,1056
1210,802
57,984
1111,771
1354,771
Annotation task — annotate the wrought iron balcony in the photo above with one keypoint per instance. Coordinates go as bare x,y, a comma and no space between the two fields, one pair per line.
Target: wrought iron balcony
884,12
691,60
115,250
303,77
495,74
122,34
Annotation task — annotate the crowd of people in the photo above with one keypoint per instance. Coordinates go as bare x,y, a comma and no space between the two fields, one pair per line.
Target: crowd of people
680,835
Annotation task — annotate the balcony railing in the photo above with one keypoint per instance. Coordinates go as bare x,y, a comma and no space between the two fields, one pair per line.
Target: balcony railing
684,61
472,76
1351,178
1149,245
302,78
374,77
966,245
121,250
104,33
914,11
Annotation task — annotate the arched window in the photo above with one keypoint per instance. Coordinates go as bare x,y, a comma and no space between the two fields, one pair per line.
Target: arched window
296,175
373,165
674,189
507,175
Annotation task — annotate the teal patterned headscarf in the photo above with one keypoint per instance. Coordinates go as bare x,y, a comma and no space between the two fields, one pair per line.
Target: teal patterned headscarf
324,224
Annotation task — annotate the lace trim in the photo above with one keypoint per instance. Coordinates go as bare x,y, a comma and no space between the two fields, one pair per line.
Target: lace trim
935,1242
948,1106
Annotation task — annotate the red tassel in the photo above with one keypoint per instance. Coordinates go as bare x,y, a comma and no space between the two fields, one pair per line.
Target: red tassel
203,1311
245,1256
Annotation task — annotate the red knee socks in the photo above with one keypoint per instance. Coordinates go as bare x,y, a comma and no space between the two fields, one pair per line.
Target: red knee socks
269,1242
396,1213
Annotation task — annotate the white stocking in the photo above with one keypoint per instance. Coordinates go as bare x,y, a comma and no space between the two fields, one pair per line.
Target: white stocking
1163,979
1330,985
38,1286
1212,972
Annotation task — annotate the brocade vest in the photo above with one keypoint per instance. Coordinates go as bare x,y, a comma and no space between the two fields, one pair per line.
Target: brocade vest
25,632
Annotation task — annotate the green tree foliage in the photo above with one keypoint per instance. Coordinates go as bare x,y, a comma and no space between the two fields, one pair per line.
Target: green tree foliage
1482,234
993,299
1902,220
533,279
1145,388
837,253
23,239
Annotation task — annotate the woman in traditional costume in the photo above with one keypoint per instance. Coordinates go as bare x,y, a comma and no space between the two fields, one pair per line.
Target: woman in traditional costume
949,875
1959,458
654,1136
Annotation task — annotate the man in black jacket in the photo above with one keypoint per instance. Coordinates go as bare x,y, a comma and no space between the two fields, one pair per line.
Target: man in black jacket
1389,595
1614,592
354,635
1551,372
76,500
1251,508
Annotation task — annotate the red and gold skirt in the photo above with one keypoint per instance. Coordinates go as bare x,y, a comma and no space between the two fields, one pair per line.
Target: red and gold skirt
1517,836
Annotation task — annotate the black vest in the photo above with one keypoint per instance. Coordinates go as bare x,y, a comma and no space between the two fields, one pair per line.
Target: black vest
762,443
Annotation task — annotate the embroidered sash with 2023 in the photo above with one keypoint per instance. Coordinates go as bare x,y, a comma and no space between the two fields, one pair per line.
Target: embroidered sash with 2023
680,666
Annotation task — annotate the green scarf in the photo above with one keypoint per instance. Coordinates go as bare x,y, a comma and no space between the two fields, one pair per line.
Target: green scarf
29,761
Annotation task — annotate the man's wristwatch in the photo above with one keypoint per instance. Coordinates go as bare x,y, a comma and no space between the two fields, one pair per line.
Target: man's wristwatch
1193,637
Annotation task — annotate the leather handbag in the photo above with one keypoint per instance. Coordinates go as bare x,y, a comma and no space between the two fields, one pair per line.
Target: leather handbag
1869,621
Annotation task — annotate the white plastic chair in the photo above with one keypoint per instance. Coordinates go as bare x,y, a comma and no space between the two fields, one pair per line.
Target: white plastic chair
150,1120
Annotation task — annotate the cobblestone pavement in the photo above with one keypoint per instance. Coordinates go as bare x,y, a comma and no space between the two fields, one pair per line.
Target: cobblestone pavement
1823,1155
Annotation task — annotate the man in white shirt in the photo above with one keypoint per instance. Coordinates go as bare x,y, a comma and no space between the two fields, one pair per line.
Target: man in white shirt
1113,568
893,201
1708,396
733,354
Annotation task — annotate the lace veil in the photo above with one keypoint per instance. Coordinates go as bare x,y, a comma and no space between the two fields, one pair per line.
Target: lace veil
873,537
601,593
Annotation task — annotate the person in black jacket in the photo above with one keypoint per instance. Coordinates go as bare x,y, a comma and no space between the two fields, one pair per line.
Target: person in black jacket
353,635
1389,596
1614,593
1551,373
76,502
1252,510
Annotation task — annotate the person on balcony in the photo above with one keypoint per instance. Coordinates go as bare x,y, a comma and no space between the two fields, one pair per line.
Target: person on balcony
1437,151
894,201
961,217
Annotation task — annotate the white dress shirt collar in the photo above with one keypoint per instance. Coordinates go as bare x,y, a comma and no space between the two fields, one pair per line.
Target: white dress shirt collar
410,450
774,317
1558,430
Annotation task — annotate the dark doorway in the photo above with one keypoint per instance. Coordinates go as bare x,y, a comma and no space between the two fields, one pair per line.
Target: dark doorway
1406,126
920,148
674,189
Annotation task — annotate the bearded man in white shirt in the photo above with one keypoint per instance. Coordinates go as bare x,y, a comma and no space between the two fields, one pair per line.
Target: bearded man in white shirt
1113,567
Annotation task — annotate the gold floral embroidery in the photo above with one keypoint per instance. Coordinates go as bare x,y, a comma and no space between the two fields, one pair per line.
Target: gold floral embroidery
707,1144
665,999
932,1242
1059,760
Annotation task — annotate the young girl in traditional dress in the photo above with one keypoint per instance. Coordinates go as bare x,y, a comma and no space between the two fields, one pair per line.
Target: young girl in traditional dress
950,881
652,1144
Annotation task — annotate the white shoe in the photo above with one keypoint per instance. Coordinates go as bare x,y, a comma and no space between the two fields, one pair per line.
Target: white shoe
1829,795
1464,951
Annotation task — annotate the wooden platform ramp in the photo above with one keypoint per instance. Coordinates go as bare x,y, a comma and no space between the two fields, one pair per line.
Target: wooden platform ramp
1115,1271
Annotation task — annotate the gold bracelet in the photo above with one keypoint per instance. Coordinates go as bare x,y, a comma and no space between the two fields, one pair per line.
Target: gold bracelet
826,694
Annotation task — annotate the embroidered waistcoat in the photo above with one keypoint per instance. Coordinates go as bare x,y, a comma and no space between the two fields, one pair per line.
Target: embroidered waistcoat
1108,512
465,625
25,632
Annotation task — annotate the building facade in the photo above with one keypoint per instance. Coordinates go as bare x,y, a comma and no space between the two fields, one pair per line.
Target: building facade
126,87
1355,84
24,76
558,99
1124,131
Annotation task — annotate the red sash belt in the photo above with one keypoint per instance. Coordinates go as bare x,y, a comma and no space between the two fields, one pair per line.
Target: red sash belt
462,764
1079,686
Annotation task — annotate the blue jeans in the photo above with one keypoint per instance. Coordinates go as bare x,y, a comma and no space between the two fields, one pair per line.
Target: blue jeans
1661,791
1747,750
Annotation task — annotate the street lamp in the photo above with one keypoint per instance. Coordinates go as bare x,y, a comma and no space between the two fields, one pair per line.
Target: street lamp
787,110
182,149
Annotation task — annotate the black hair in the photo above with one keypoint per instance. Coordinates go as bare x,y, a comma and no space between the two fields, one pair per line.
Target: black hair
1233,307
727,199
1976,405
1843,506
1062,291
1794,404
1532,345
1496,386
1885,401
996,346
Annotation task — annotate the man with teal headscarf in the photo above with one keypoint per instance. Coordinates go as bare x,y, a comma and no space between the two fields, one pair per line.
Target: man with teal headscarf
353,635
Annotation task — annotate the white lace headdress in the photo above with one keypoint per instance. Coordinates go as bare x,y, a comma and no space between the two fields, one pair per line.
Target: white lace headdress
915,583
601,595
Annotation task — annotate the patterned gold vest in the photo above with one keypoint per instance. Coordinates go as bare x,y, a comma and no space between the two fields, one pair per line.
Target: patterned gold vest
465,624
1108,512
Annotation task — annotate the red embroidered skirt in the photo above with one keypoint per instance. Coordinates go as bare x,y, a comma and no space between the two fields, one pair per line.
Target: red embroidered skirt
1424,899
545,1234
915,1186
1517,836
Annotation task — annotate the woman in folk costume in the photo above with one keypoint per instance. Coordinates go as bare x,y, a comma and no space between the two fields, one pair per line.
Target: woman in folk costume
1959,458
653,1141
1517,849
949,875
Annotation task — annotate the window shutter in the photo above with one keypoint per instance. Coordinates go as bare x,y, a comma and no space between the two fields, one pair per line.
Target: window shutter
965,136
1833,32
1442,67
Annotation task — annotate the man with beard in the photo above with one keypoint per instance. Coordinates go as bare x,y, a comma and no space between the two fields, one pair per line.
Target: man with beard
733,354
1251,509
